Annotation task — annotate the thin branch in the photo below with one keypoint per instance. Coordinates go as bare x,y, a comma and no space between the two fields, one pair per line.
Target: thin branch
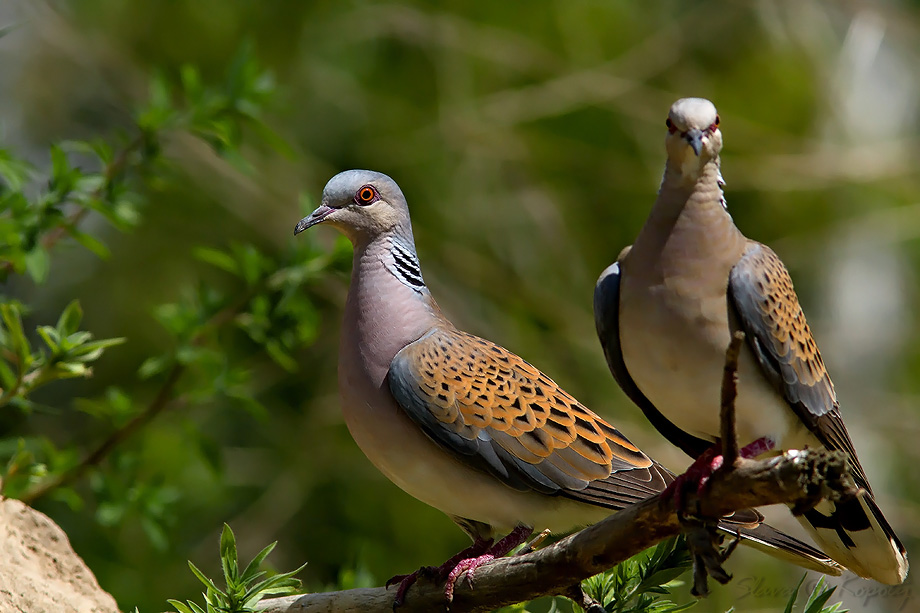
160,401
729,393
163,398
111,170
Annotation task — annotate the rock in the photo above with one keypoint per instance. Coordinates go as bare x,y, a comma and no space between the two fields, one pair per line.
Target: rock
39,571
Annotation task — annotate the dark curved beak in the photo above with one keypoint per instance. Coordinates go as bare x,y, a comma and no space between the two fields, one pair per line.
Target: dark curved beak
317,216
695,139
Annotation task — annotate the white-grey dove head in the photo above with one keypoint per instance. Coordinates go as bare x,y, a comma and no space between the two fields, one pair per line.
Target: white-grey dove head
693,136
363,205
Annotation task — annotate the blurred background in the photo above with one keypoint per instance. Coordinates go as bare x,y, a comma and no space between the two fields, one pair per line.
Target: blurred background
527,138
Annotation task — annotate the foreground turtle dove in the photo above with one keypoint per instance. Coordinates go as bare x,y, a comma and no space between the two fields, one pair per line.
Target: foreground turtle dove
463,424
665,312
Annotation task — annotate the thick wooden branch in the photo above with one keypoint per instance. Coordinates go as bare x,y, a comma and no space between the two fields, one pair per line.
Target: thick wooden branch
796,478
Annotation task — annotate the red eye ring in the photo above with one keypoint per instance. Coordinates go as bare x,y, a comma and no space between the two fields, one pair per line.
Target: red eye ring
367,194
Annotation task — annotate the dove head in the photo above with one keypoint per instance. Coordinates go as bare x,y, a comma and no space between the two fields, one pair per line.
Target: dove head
363,205
693,137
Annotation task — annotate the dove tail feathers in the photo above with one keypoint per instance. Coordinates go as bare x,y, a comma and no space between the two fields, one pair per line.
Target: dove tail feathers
856,534
781,546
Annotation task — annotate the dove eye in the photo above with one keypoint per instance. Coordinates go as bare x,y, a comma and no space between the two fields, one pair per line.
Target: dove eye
366,195
671,127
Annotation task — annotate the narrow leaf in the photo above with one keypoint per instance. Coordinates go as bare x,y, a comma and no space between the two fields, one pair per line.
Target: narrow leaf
201,577
38,263
228,555
179,606
253,566
795,595
69,321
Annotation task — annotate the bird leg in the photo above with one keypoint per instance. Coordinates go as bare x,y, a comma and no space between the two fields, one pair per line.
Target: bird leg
761,445
577,595
469,565
698,473
704,466
478,547
703,542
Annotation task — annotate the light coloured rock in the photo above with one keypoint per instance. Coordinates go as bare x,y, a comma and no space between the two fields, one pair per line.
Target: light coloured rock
39,570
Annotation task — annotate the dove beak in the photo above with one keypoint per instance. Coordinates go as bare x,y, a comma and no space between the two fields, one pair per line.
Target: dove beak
322,212
694,138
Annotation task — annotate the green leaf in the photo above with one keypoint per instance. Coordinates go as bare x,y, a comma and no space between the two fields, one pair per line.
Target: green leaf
59,164
88,352
14,171
51,338
191,81
253,567
102,149
276,585
68,496
228,555
280,356
154,365
90,242
819,597
217,258
16,340
75,339
69,321
181,608
201,577
661,577
795,594
252,263
155,533
38,263
7,376
158,112
86,186
110,513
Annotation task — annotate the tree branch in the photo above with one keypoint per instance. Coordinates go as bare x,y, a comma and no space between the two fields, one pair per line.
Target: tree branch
162,399
109,173
165,397
796,478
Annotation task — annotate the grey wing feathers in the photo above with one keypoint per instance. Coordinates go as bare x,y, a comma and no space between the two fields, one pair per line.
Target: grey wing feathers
763,304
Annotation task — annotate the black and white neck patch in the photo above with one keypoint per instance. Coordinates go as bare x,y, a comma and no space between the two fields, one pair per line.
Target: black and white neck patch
403,264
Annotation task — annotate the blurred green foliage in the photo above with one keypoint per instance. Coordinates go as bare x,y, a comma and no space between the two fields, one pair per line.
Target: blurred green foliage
528,143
